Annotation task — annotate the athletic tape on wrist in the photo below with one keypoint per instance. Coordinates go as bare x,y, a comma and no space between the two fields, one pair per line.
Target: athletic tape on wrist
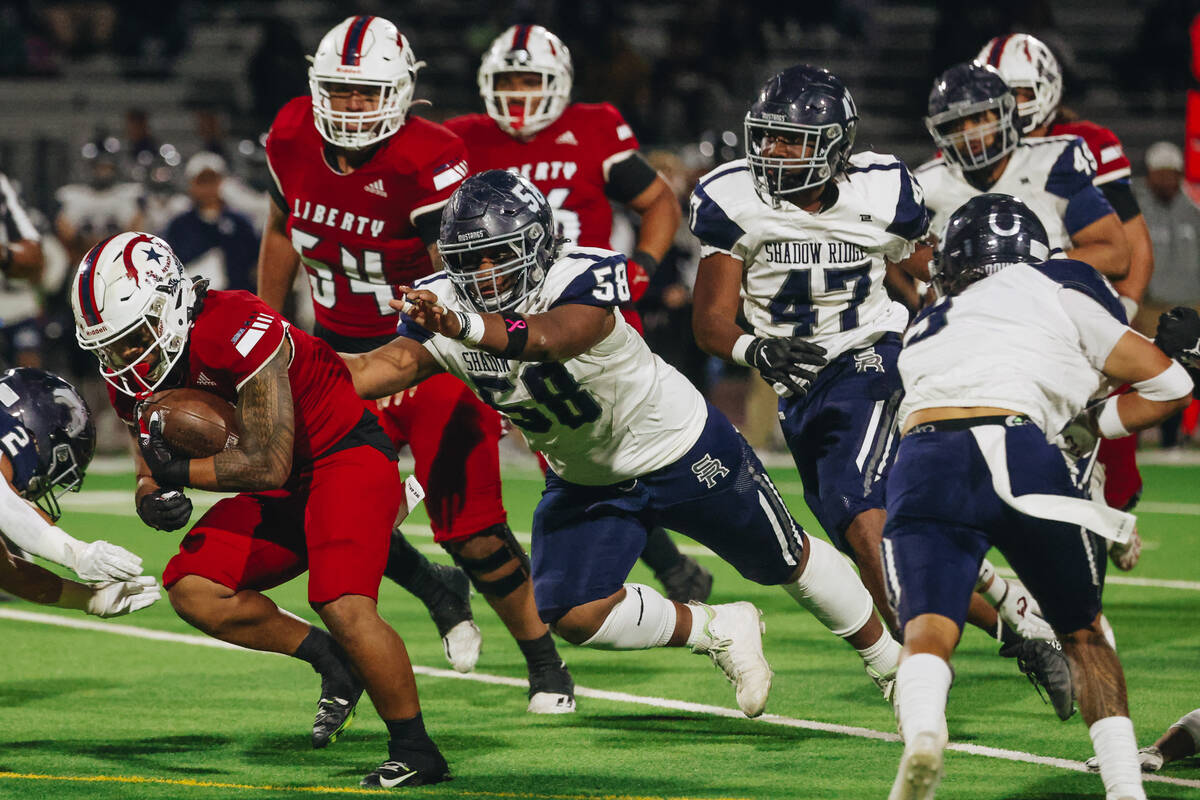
1170,384
1109,420
472,328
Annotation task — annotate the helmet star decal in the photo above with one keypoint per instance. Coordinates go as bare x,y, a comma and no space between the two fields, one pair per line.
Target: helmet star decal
153,255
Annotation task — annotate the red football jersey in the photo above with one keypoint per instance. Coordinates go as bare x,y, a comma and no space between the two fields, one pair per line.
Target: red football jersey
355,232
234,335
568,161
1111,161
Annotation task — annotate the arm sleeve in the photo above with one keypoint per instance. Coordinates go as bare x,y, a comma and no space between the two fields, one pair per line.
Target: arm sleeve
629,177
23,526
1098,330
1119,194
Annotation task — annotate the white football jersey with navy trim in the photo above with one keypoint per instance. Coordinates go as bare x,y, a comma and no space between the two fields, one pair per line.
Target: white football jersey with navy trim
1053,175
611,413
1010,341
817,275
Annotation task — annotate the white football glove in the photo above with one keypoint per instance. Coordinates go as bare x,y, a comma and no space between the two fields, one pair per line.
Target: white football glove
102,561
1125,556
1022,613
116,598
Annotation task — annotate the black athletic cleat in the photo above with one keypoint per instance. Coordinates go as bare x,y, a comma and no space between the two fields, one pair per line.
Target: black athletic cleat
335,710
414,771
687,581
1046,666
551,690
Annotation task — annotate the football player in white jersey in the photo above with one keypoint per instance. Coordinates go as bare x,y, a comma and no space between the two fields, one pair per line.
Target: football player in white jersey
974,121
629,440
1014,348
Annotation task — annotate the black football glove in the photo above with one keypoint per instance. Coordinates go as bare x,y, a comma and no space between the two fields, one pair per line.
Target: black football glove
165,509
778,360
167,468
1179,335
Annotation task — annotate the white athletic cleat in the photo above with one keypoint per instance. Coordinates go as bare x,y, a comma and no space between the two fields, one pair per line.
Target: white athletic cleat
1022,613
462,644
733,640
885,681
1150,758
920,768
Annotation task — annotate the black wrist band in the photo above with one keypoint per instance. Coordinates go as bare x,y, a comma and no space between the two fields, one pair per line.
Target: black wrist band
645,261
518,334
464,326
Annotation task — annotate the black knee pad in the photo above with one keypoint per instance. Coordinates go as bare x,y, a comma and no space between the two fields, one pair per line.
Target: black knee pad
509,549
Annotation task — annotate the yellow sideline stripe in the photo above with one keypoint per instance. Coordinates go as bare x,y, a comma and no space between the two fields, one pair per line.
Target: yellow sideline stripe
30,776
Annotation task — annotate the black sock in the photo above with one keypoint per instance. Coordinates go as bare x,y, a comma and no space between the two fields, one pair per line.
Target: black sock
660,552
326,656
409,568
406,736
540,652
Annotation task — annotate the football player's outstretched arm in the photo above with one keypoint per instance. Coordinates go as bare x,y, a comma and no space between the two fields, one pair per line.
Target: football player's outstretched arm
558,334
389,369
1161,386
715,301
30,529
38,585
277,260
1103,245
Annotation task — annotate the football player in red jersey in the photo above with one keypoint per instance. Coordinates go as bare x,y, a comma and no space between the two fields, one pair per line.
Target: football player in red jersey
316,482
1030,68
580,155
359,188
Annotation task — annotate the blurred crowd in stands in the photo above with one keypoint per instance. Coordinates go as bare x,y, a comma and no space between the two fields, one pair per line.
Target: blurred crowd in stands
208,197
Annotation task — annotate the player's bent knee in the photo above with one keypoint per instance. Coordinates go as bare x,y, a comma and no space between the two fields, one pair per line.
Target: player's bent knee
488,552
200,602
582,622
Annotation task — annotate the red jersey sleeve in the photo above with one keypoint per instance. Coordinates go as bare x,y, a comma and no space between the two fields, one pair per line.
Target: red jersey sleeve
612,135
282,129
238,335
440,175
1111,161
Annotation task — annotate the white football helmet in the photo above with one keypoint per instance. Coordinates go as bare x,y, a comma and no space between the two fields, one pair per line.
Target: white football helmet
369,54
133,310
1026,62
526,48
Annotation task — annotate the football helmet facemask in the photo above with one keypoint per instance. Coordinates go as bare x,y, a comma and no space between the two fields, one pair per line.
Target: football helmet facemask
809,109
133,307
501,217
984,235
58,421
368,56
973,116
1025,62
526,49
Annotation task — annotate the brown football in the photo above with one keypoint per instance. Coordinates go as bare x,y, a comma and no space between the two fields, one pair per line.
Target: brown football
196,424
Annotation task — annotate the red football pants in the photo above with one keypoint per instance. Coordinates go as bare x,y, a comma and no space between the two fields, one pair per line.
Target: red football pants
334,519
454,439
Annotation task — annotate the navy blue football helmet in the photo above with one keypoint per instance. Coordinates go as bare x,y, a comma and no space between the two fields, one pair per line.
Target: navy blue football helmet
58,421
984,235
806,107
499,216
973,116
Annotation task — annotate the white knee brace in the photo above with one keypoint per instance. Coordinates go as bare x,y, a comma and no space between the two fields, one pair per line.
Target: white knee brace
831,590
643,619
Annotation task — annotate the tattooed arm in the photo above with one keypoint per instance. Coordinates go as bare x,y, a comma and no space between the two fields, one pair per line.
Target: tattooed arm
263,457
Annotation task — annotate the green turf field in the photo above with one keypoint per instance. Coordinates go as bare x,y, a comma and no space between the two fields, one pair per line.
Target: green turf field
90,713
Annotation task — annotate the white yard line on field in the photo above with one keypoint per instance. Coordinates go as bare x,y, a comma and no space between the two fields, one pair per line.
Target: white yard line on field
596,694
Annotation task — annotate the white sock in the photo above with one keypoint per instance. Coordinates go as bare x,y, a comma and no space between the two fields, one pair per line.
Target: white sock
701,614
922,685
643,619
994,592
831,590
1116,750
883,655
